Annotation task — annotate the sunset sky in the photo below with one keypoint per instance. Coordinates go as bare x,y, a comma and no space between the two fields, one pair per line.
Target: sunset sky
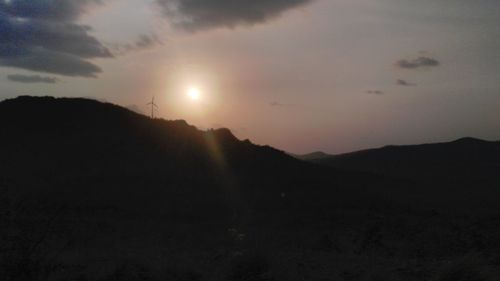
299,75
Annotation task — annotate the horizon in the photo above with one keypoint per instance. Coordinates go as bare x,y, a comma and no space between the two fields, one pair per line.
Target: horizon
299,75
145,114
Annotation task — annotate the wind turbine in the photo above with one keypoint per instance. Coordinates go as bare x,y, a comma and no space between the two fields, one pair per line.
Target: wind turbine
153,107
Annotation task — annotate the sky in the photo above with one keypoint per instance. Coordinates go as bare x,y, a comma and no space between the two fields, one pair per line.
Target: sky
299,75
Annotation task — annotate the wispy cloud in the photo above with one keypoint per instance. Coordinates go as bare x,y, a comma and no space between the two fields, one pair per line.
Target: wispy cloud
374,92
31,79
420,62
401,82
143,42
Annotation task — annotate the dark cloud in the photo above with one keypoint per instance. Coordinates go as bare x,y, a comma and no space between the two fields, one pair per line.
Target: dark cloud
374,92
195,15
53,10
31,79
419,62
405,83
54,36
43,60
40,35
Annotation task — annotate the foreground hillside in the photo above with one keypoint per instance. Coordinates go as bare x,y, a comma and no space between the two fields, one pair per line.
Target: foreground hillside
93,191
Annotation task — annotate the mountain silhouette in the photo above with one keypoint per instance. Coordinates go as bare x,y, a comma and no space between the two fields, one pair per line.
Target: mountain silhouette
311,156
465,169
82,152
467,156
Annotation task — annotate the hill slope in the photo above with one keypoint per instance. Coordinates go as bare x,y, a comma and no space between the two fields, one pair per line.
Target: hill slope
83,152
464,157
465,169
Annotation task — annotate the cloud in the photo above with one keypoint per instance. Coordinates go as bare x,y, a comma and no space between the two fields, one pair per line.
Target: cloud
147,41
45,36
405,83
31,79
52,10
196,15
40,35
419,62
42,60
143,42
374,92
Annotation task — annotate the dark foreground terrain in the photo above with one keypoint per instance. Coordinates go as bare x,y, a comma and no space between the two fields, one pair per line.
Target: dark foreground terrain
93,191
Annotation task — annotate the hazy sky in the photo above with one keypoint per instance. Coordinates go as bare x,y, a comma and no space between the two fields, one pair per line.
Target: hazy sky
300,75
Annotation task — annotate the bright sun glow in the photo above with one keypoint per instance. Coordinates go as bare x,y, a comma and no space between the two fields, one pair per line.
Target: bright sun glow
194,94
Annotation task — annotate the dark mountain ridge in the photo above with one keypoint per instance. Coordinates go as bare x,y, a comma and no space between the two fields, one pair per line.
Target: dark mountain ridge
311,156
84,152
464,171
425,160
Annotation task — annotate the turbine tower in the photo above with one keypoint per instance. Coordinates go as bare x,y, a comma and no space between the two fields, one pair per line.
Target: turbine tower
153,107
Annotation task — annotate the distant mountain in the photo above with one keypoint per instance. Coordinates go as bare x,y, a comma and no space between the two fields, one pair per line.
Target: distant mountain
311,156
467,155
466,167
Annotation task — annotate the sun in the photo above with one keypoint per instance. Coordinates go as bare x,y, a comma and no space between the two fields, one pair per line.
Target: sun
194,93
